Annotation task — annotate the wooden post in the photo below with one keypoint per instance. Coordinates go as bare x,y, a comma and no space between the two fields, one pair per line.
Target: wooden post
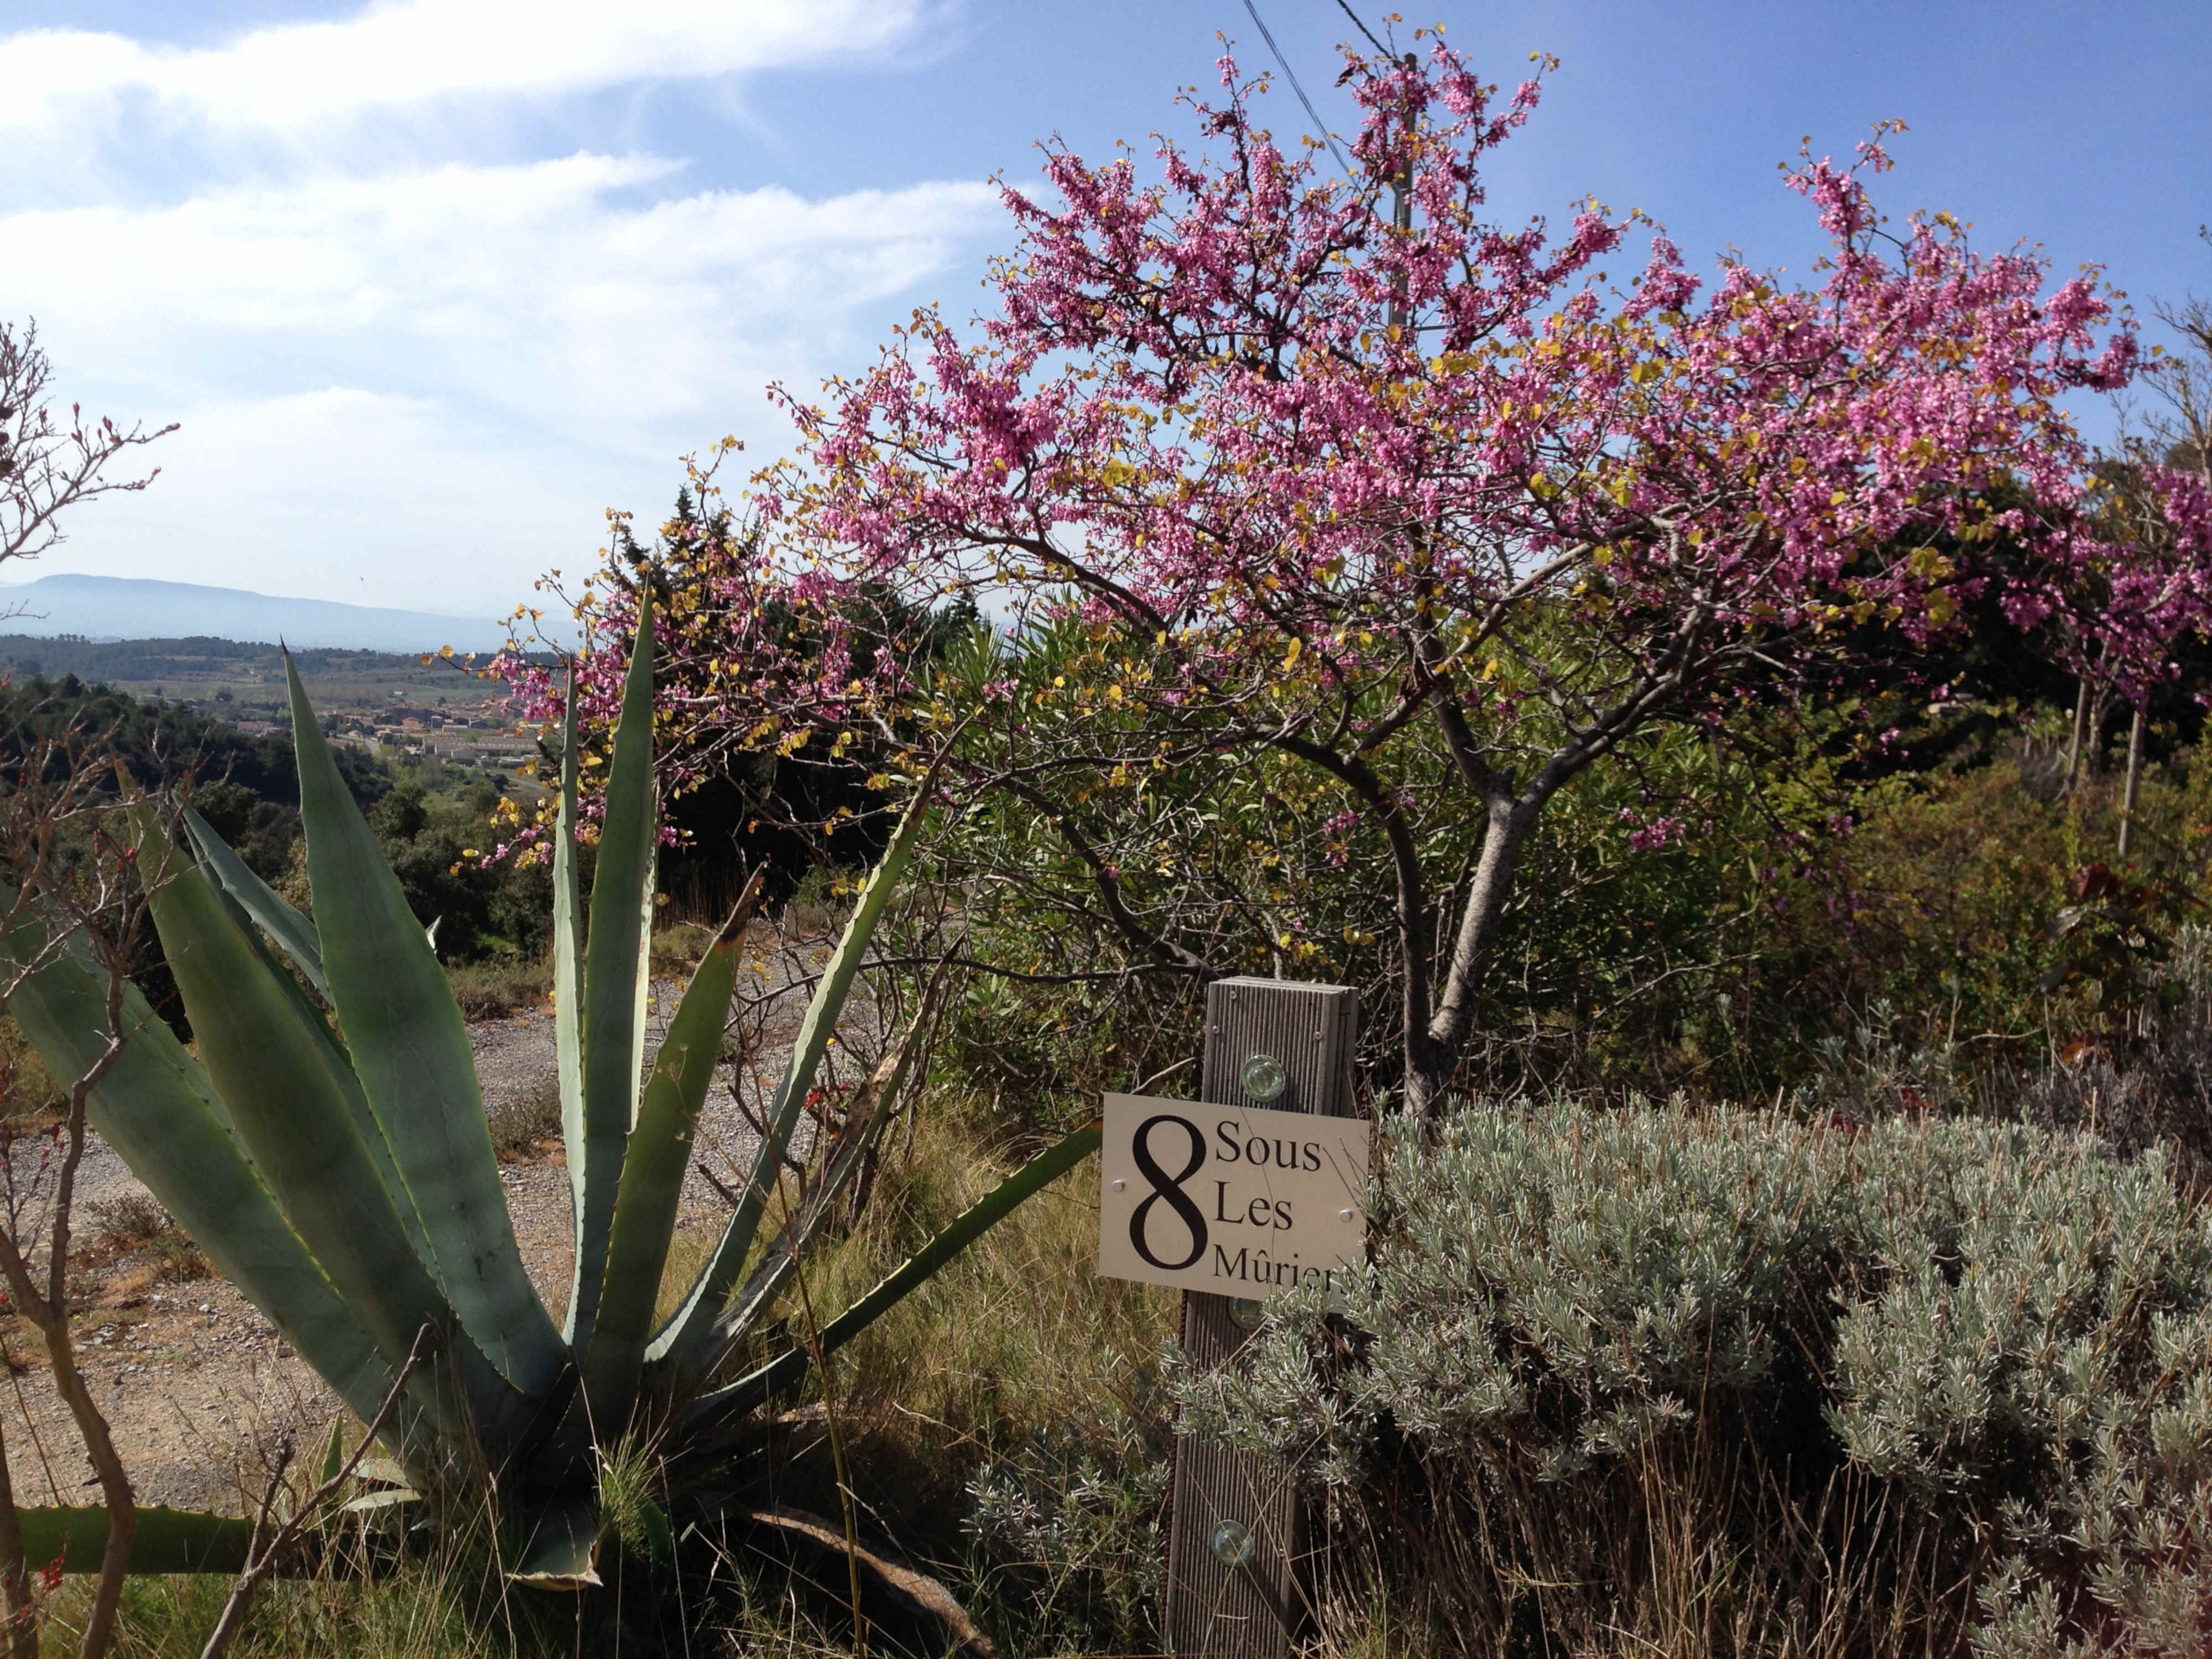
1214,1608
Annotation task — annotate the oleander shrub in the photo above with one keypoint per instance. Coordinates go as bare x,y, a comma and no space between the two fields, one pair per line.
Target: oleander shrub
1716,1383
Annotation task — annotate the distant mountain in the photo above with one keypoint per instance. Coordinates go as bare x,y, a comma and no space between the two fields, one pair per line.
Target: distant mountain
126,608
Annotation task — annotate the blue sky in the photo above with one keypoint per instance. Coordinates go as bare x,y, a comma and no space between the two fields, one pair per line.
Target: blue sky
431,284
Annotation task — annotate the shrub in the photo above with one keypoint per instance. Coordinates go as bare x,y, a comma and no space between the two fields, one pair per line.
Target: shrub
522,1118
1068,1534
174,1259
488,990
2157,1088
1735,1382
137,1221
120,1222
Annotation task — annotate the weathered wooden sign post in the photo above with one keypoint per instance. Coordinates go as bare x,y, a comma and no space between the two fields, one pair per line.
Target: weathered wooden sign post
1232,1197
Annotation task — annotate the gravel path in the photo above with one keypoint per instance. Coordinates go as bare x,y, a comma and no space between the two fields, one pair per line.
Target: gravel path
197,1385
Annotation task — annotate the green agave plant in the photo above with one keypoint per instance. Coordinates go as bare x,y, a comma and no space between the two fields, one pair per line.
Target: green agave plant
330,1154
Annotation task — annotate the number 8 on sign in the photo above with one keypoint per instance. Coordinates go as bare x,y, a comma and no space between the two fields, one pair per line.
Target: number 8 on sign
1168,1187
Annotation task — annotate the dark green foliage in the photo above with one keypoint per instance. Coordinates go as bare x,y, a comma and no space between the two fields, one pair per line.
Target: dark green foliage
737,808
158,742
261,832
163,745
247,787
434,844
1954,1372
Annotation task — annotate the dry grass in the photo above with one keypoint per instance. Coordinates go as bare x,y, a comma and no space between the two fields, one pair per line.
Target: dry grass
1655,1576
676,947
450,1604
121,1223
413,1615
174,1259
486,990
518,1125
136,1222
1016,1355
686,1254
1017,1333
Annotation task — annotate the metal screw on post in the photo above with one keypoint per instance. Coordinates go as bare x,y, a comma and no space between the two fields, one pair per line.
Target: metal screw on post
1235,1535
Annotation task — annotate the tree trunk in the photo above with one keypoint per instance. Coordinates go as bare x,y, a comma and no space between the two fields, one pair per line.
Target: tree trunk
14,1573
2081,735
2134,778
50,1312
1434,1046
114,1488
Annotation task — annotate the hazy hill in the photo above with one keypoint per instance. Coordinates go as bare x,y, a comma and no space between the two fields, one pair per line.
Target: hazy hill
129,608
243,681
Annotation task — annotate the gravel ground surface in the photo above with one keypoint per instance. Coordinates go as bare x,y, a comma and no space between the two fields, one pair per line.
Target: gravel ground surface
194,1382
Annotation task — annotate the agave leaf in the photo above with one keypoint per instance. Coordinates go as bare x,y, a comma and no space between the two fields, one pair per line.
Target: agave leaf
293,933
568,995
383,1471
659,1154
157,1109
411,1050
167,1540
317,1022
290,1114
389,1497
562,1545
660,1535
642,980
285,1087
334,1451
685,1341
788,1371
615,962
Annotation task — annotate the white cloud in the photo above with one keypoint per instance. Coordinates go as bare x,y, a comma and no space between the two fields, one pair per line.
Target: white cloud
296,76
412,369
542,289
352,496
421,389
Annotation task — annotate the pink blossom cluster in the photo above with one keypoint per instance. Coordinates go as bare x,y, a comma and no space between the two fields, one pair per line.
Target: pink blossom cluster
1241,412
1649,835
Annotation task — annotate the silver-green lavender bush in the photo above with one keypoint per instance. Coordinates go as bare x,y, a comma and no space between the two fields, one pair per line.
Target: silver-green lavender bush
1862,1383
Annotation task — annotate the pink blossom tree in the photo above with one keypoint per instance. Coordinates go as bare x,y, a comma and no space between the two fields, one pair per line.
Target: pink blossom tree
1340,486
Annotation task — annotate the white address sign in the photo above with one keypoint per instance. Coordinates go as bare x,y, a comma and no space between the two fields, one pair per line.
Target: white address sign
1232,1200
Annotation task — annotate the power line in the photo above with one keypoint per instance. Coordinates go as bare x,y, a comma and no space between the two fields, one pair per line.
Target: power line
1292,75
1345,7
